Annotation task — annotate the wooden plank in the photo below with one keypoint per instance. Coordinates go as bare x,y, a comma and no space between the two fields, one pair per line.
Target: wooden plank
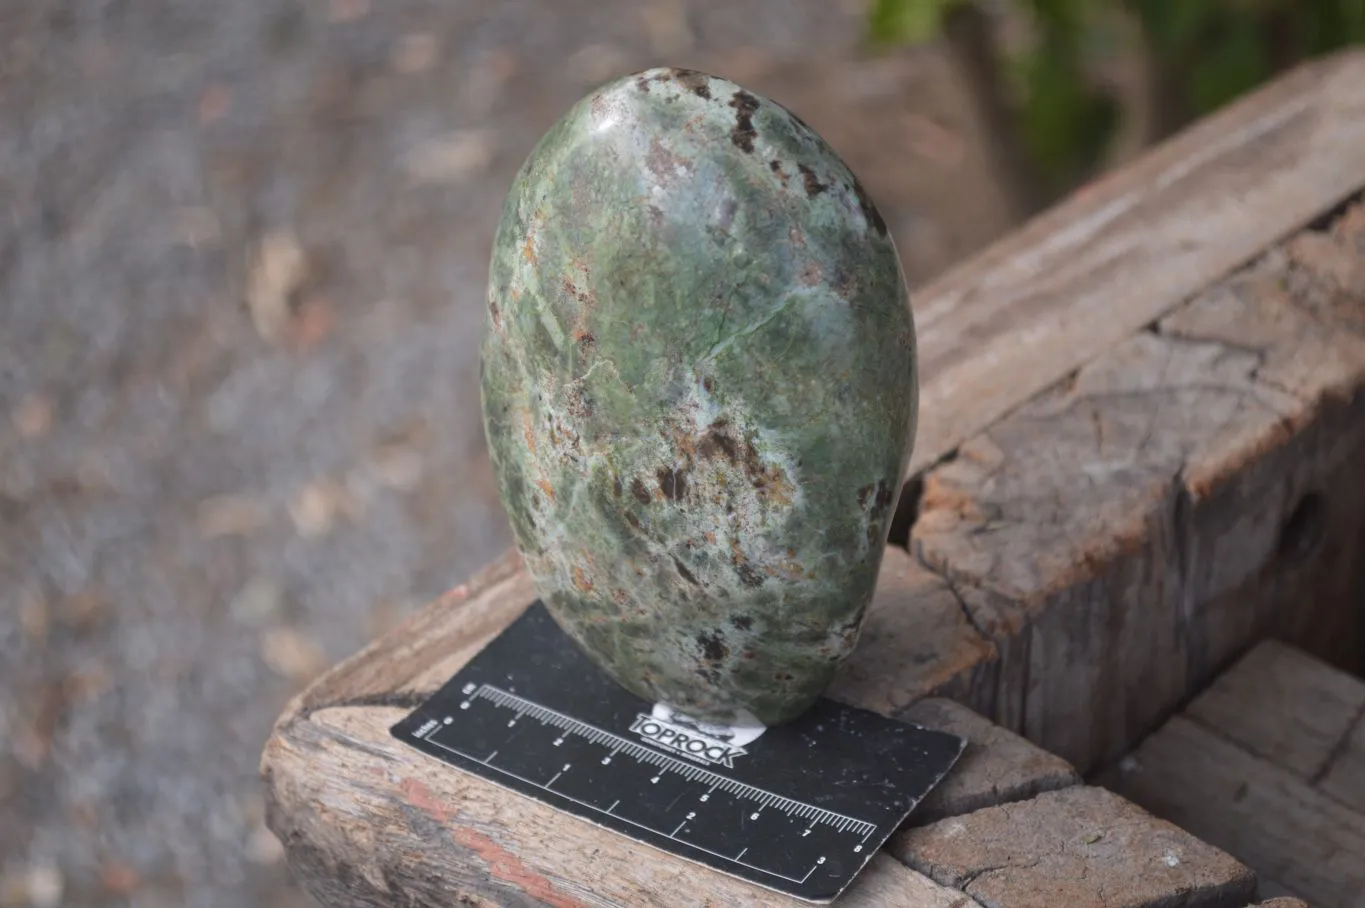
1124,535
1078,846
997,767
1265,815
1283,705
918,638
1127,249
367,822
1344,778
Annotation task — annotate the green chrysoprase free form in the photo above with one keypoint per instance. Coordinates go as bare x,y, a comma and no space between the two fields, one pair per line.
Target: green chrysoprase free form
699,390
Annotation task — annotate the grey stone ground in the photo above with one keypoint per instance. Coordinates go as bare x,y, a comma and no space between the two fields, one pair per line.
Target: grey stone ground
242,254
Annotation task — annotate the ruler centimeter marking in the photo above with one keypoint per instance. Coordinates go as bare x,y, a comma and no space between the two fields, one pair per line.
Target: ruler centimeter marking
559,794
590,763
692,773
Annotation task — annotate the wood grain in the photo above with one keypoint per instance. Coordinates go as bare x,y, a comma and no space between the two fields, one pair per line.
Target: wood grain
1077,846
1126,534
1124,251
366,821
1344,779
1283,705
1281,826
997,766
1297,712
918,638
369,822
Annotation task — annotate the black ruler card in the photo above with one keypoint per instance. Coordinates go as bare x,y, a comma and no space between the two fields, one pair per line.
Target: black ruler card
800,810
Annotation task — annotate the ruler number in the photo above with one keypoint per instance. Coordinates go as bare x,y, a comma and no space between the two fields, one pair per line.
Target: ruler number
519,707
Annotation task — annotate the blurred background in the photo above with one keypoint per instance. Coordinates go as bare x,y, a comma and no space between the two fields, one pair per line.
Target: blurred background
243,248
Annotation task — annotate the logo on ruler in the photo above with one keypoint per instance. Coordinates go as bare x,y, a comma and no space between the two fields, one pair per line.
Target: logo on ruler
689,742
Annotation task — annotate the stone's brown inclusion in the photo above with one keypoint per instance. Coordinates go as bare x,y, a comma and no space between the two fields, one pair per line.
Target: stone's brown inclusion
699,390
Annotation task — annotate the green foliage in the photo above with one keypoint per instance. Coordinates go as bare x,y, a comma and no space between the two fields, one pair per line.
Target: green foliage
909,21
1067,121
1233,60
1200,54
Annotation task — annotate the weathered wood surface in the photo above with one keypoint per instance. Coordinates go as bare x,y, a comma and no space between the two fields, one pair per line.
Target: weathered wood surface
367,821
1127,533
1077,846
1283,705
997,766
1246,767
1345,776
1076,280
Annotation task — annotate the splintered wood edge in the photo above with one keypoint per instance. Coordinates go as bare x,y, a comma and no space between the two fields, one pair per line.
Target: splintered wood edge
1048,298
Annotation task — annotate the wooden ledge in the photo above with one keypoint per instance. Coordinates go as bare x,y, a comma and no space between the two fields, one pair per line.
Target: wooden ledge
1268,763
1124,535
1079,278
368,821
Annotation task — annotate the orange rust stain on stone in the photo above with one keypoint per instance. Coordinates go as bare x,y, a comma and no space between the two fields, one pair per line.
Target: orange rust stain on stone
506,866
544,486
528,431
528,249
580,580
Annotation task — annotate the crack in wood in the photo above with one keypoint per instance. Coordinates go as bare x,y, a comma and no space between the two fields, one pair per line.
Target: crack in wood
1339,749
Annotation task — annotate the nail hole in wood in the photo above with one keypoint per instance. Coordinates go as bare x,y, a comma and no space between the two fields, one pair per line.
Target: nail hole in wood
1303,531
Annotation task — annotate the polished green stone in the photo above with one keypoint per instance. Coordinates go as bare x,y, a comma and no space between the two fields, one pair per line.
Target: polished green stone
699,391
